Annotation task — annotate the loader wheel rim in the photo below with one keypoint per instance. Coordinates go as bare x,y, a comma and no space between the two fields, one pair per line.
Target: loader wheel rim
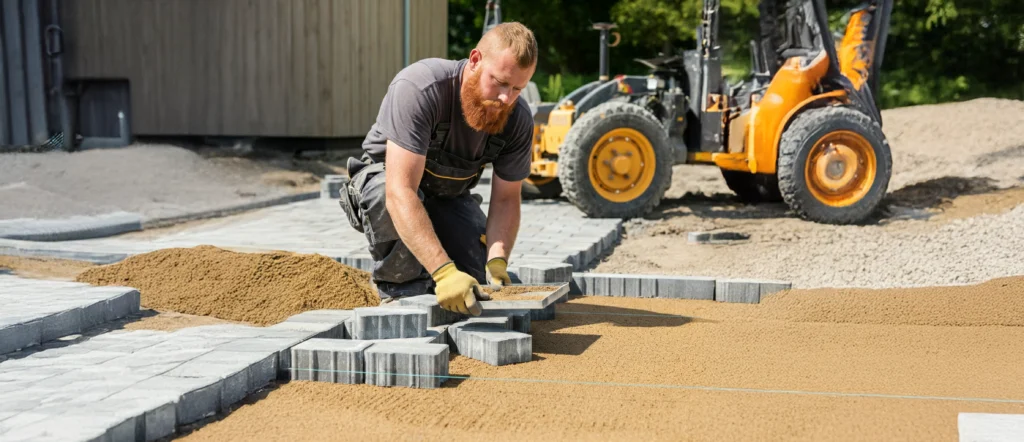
622,165
840,168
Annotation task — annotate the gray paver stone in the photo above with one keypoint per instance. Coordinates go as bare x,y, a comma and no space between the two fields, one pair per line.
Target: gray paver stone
435,314
330,360
520,318
194,397
407,365
494,345
686,287
545,273
738,290
389,323
771,287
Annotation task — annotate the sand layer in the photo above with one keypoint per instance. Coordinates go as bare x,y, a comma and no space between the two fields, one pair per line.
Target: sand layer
519,293
657,369
258,288
43,268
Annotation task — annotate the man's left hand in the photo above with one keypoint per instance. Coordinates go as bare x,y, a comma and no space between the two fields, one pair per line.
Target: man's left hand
497,270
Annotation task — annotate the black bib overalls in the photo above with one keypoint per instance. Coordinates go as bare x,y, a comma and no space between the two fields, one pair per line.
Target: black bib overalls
456,216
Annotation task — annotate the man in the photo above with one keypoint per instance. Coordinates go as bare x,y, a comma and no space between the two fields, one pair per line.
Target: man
440,123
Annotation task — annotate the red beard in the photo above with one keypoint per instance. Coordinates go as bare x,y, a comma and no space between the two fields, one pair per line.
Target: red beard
484,115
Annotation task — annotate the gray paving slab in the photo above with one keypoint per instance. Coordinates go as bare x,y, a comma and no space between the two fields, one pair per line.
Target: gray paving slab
329,360
37,311
502,321
545,273
435,314
738,290
392,364
388,323
494,345
771,287
521,319
329,322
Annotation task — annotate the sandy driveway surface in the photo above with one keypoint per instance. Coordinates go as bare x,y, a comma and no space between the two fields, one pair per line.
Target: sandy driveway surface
804,365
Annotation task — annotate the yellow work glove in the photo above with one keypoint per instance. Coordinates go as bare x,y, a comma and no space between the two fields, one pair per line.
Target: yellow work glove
456,290
497,270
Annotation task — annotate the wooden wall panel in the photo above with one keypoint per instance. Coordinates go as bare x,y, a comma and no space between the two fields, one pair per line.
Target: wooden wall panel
429,26
314,68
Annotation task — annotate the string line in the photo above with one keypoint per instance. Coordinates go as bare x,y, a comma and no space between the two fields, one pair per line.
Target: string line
676,387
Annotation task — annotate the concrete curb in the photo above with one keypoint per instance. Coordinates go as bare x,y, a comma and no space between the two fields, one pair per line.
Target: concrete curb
230,210
68,229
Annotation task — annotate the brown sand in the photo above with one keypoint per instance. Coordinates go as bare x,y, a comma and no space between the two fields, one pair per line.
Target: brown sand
171,321
44,268
258,288
607,369
519,293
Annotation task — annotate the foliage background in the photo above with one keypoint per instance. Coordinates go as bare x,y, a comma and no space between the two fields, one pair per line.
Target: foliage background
937,51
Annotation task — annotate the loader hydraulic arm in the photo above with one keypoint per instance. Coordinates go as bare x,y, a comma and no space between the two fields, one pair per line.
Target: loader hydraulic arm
863,45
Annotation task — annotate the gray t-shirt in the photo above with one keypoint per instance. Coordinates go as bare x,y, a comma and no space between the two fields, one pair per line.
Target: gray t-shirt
426,93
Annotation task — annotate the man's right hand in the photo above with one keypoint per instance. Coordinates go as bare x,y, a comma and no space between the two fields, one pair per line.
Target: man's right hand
456,290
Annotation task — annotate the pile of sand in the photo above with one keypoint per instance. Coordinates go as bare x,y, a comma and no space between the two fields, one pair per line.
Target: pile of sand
258,288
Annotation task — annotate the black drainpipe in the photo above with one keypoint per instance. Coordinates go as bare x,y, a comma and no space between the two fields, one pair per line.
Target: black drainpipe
55,51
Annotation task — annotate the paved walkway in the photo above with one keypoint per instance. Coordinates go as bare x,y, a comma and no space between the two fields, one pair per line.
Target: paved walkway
550,232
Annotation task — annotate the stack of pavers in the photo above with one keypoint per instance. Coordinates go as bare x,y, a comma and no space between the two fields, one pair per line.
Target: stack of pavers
408,343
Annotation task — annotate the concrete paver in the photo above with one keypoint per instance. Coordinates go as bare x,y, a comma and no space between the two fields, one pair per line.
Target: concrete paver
36,311
392,364
389,323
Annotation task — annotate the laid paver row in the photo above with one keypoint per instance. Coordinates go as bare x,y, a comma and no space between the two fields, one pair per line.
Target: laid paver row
37,311
650,286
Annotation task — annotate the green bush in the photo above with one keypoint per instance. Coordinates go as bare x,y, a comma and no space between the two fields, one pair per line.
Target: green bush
554,87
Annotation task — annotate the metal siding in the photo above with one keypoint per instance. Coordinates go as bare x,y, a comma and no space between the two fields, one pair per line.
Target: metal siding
23,118
250,67
16,94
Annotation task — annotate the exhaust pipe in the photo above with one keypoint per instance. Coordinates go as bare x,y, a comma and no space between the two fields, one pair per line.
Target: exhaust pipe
604,28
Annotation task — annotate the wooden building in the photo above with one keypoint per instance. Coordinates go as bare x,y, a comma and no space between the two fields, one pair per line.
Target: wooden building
248,68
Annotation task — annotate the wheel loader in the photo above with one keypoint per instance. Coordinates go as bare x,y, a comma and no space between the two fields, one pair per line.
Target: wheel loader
803,128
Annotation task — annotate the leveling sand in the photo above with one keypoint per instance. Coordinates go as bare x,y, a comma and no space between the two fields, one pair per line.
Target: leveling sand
519,293
257,288
804,365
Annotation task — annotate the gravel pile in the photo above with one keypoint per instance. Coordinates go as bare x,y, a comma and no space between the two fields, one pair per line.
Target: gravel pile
947,218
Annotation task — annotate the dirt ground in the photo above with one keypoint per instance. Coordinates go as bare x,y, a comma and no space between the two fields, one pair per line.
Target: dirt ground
958,173
804,365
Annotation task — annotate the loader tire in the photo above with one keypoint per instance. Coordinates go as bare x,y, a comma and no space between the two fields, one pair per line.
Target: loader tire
616,162
541,188
834,165
753,188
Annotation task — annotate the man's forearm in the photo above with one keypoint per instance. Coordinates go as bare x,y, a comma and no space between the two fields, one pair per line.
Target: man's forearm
502,227
415,229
